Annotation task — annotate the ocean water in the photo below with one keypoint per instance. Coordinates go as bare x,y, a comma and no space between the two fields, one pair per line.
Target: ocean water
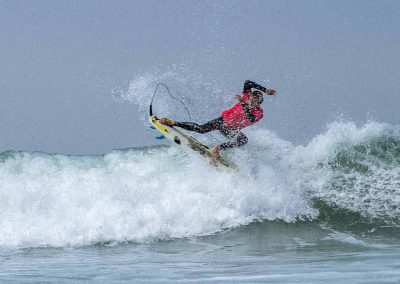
326,211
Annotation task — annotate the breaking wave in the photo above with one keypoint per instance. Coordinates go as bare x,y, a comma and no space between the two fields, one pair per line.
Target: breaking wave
156,193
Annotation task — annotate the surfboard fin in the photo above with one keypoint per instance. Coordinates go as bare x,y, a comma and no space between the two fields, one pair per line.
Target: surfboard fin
152,127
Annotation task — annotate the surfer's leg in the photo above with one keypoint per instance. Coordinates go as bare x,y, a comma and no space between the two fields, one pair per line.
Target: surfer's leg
239,141
204,128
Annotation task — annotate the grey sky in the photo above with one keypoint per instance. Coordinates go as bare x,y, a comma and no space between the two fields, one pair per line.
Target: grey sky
61,60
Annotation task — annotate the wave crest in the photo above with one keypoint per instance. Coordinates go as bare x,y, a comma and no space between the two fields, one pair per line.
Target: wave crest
149,194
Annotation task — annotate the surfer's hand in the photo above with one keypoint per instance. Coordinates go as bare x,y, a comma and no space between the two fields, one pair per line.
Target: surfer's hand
270,92
239,98
215,151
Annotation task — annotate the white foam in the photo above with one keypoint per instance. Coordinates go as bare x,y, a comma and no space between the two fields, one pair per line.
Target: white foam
131,195
163,193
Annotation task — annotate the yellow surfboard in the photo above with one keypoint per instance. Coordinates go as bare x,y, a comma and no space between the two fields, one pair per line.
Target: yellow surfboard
183,140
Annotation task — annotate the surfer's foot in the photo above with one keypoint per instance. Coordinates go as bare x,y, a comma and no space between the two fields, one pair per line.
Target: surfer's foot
215,153
167,121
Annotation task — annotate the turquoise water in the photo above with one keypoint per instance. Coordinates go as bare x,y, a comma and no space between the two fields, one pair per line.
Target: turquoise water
265,252
327,211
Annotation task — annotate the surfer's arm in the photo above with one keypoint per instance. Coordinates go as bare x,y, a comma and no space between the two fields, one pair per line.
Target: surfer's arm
240,140
248,112
246,108
248,85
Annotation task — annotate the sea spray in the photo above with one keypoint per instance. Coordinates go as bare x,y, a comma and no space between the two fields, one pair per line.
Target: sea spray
138,195
150,194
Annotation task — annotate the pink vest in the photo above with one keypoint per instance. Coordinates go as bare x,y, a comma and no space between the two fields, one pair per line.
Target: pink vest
236,117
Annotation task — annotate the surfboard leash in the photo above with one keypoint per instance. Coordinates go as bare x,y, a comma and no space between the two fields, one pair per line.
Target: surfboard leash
169,93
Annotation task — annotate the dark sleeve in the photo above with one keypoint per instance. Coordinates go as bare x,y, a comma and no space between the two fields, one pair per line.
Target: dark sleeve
249,114
250,84
239,141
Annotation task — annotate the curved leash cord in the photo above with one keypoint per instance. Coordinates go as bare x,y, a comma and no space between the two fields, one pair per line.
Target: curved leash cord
169,93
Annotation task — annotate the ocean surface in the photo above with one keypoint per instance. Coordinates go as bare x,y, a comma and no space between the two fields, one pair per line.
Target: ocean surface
324,212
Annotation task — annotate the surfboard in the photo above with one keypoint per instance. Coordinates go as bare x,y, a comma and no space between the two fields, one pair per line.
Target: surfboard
186,141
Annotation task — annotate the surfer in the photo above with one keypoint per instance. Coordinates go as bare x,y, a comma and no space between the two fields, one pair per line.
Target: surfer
231,122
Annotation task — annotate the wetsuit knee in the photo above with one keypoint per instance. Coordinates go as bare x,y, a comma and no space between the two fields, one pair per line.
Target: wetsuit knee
242,139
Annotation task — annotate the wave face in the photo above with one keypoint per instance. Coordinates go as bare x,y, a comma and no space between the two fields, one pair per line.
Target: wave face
367,173
149,194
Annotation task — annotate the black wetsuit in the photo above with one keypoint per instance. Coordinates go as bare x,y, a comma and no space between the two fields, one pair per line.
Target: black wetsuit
239,139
